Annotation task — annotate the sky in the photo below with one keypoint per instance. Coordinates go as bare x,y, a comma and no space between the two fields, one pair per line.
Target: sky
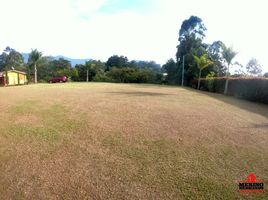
138,29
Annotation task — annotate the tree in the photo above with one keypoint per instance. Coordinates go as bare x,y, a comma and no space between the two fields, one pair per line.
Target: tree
60,67
202,63
150,65
132,75
89,66
253,67
192,27
49,67
116,61
172,71
34,58
90,70
214,52
10,58
74,74
239,70
191,34
44,69
228,55
266,75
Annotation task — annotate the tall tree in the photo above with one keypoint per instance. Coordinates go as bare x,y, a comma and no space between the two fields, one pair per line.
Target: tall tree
151,65
34,58
90,69
171,69
202,63
228,55
10,58
117,61
214,51
61,67
89,66
191,34
253,67
192,27
239,70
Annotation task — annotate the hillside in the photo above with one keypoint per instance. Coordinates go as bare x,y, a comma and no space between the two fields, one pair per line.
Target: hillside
73,61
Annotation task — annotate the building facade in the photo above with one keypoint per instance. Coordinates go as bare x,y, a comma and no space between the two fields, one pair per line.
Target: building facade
13,77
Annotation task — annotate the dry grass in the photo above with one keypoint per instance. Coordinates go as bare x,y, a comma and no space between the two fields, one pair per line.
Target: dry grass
114,141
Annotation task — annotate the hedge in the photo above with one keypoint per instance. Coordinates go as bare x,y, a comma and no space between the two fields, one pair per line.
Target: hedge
253,89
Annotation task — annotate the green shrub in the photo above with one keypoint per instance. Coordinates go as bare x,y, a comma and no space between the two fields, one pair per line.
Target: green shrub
210,82
253,89
132,75
102,78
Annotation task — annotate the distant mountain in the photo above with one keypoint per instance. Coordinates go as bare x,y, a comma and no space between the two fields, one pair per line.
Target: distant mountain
72,61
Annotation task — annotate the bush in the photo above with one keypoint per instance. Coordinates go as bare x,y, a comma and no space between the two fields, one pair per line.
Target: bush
102,78
210,82
253,89
132,75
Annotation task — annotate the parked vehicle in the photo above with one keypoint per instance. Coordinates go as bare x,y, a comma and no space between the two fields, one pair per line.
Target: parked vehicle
60,79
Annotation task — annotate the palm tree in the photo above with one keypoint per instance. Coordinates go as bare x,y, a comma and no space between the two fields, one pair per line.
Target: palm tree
89,66
34,57
228,55
202,63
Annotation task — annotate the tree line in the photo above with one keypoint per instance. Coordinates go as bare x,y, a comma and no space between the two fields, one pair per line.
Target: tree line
196,59
41,68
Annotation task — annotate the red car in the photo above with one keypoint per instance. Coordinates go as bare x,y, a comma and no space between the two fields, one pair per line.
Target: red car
61,79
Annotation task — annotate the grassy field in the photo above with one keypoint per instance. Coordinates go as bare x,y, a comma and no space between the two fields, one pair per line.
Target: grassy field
115,141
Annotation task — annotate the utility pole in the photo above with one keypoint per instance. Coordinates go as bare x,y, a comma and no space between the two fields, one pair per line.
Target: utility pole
182,77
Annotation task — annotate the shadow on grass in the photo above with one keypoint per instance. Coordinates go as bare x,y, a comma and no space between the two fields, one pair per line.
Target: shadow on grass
151,85
261,126
138,93
254,107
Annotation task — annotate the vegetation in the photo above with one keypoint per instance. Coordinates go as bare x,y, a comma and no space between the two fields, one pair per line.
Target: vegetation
250,88
10,58
202,63
34,57
201,60
191,46
253,67
228,56
116,69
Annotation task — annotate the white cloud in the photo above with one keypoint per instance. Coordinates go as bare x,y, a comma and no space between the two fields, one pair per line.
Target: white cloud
77,29
87,7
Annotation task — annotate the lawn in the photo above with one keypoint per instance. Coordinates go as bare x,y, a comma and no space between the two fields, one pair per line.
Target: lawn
128,141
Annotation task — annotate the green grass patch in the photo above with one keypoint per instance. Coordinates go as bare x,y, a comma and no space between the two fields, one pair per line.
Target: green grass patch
53,122
191,172
25,107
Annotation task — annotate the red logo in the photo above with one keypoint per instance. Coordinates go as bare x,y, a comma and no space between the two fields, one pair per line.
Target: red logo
251,185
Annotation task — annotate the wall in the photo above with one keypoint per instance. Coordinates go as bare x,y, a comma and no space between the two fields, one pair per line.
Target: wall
13,78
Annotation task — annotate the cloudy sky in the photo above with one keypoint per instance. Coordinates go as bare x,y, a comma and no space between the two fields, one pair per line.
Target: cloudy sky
138,29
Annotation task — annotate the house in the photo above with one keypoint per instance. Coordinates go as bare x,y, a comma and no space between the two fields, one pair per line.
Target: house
13,77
